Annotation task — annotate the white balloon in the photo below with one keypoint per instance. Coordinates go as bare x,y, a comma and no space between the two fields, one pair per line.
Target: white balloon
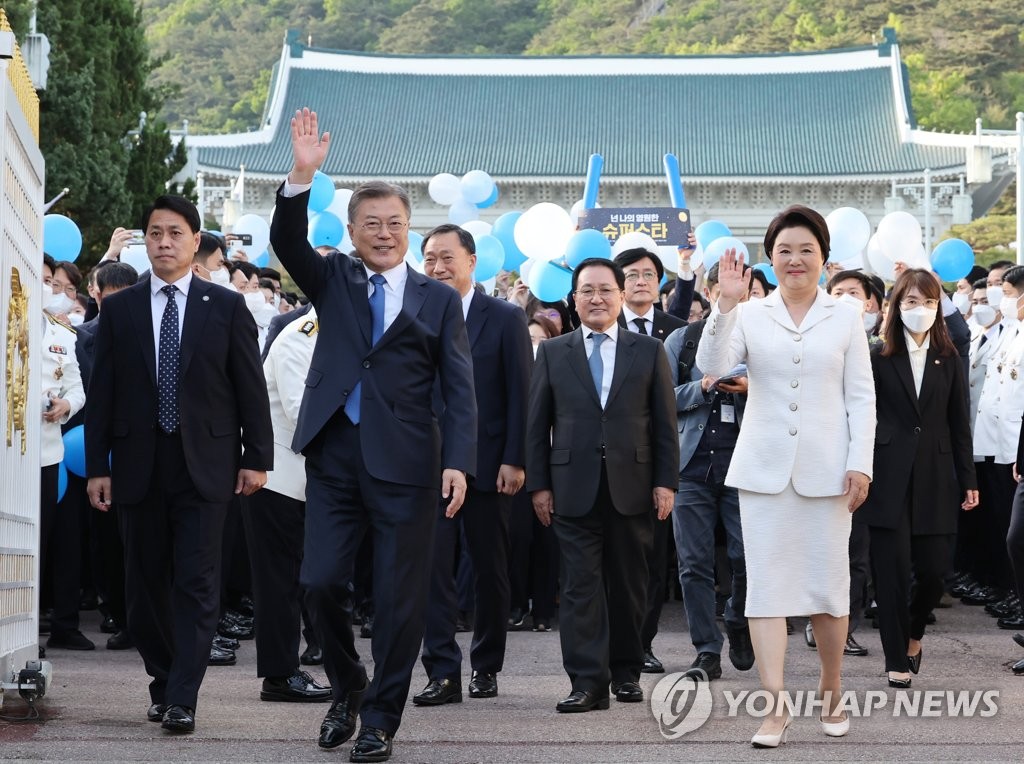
135,256
412,262
849,229
477,186
445,188
462,212
855,263
577,211
899,235
543,231
258,228
339,204
477,228
878,261
524,271
634,240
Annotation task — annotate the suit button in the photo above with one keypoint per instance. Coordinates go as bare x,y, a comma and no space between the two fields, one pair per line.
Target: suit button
604,419
792,431
796,359
793,407
917,430
797,338
700,427
366,364
795,383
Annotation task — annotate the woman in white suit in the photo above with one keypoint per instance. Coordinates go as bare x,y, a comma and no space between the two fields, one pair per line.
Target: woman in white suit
803,460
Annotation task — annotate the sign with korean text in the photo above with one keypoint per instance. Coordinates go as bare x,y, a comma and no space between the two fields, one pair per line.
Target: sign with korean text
668,226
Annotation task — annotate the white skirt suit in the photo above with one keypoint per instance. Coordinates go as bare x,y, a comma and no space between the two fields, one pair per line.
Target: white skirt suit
810,418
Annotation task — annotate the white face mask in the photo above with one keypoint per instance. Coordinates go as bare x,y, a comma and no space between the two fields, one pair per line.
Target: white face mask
984,315
870,320
918,319
220,276
254,301
264,315
962,302
59,303
1008,307
994,294
76,319
849,299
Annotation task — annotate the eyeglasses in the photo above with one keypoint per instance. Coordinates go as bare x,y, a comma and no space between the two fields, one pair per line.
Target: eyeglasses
910,303
646,275
375,226
589,294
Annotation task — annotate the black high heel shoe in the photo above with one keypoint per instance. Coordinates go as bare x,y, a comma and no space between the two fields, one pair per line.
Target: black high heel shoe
915,661
899,684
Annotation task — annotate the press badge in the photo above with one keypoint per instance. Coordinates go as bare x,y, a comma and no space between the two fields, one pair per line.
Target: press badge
728,412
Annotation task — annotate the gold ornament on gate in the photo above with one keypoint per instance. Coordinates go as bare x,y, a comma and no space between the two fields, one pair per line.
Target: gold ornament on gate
17,362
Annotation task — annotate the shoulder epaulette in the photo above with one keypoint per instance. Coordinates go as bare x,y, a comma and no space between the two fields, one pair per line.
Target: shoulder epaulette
309,328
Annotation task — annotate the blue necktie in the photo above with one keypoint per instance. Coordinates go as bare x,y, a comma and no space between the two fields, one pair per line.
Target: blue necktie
167,375
596,362
376,330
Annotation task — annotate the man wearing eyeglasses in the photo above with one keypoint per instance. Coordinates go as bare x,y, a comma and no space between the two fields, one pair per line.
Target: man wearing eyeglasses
643,271
375,458
601,451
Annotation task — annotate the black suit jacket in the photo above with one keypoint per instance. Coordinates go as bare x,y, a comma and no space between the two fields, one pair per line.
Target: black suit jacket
224,408
567,425
926,439
399,434
502,360
664,324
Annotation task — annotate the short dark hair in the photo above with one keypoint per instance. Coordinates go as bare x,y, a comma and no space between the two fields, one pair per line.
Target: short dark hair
895,341
115,275
627,257
270,273
705,306
1015,276
594,262
248,269
981,283
544,323
1000,264
377,189
208,244
174,203
465,237
266,283
870,288
798,216
49,262
760,278
976,272
74,275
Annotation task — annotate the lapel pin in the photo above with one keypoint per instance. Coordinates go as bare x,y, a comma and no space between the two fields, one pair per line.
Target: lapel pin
206,298
938,362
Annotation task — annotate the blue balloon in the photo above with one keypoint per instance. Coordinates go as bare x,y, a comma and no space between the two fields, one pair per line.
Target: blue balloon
322,193
61,238
768,272
710,230
490,256
62,481
587,243
326,229
952,259
504,231
549,282
262,260
416,245
714,251
74,450
490,201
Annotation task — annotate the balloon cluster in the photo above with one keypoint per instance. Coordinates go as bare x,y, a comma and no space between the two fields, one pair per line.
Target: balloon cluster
328,214
466,197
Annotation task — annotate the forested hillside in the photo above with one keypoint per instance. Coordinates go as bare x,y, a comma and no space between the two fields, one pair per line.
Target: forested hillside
213,57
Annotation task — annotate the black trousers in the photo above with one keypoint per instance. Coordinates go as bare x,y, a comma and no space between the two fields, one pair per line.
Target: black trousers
343,502
108,562
172,541
274,526
860,569
657,575
1015,539
996,487
484,518
533,562
902,613
604,592
60,551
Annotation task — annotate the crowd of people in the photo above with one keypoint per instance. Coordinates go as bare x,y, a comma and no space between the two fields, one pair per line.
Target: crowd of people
398,456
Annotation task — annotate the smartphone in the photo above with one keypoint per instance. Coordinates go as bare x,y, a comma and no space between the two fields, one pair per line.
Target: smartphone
238,240
732,376
138,237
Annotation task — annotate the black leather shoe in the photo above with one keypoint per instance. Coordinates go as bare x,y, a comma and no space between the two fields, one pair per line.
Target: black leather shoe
438,692
220,657
853,648
1018,667
705,667
70,640
225,643
235,617
899,684
809,636
915,661
741,651
179,719
627,692
155,713
964,586
483,685
1019,639
366,630
541,626
235,630
651,664
1013,623
108,625
340,722
982,595
579,701
312,656
371,745
517,620
297,688
120,641
463,622
1005,607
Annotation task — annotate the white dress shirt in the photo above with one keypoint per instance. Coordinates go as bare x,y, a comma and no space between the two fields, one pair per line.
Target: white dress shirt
918,357
158,301
607,356
631,317
467,300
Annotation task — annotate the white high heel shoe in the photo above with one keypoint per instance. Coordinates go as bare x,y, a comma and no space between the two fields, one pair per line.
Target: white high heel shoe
763,740
835,729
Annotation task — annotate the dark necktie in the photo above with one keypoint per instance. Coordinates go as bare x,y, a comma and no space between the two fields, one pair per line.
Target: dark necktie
596,362
376,330
167,375
641,325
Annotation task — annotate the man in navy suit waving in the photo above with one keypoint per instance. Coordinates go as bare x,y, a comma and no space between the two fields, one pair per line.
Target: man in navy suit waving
376,455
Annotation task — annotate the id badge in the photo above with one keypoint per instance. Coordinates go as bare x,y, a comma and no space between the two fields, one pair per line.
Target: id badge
728,412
